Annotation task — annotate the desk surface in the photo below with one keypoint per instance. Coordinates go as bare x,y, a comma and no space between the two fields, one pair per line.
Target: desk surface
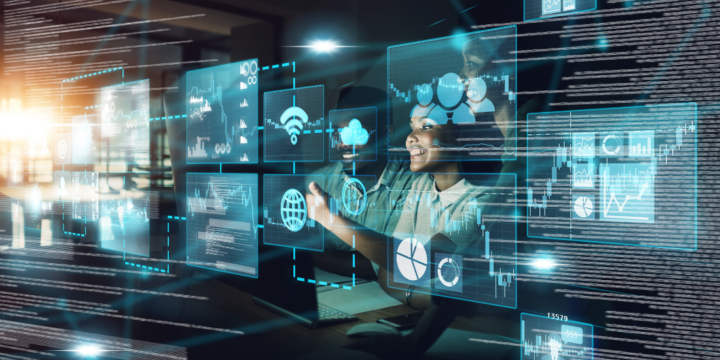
282,338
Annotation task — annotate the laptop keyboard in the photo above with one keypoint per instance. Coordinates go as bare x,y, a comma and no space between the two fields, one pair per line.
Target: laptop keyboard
327,314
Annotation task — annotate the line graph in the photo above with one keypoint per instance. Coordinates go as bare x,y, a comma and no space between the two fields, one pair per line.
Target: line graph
583,146
627,192
551,6
222,105
222,229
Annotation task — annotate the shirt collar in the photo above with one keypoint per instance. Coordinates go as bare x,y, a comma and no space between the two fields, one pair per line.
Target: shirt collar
451,195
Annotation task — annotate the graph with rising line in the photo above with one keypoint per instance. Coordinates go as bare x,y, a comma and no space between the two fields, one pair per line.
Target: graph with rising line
222,120
551,6
222,229
627,192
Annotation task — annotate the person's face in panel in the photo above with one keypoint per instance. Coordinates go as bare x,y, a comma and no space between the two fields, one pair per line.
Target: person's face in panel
428,145
472,65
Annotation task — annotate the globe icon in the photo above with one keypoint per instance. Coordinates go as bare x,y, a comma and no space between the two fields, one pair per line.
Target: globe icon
293,210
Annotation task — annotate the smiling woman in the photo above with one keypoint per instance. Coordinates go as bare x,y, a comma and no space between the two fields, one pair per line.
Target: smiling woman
432,148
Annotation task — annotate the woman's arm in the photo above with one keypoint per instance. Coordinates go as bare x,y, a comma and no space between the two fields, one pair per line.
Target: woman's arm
369,243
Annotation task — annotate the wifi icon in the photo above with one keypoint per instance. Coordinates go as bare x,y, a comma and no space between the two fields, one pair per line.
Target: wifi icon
293,125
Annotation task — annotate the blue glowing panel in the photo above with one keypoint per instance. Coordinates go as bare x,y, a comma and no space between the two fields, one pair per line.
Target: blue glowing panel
637,187
85,196
125,126
289,214
545,338
222,114
63,149
353,134
294,125
349,200
126,208
222,229
539,9
461,245
430,83
86,139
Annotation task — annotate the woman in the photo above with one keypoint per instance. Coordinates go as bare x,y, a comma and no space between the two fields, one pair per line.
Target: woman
443,194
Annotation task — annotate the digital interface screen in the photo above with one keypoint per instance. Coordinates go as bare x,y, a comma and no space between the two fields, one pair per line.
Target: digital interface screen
222,229
466,84
63,148
86,139
351,201
127,205
289,215
539,9
222,113
622,175
125,123
460,244
353,134
294,124
548,338
85,195
536,177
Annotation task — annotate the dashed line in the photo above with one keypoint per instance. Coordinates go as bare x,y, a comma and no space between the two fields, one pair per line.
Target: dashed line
93,74
145,267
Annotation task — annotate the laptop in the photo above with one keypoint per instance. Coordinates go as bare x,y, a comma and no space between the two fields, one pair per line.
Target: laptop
279,290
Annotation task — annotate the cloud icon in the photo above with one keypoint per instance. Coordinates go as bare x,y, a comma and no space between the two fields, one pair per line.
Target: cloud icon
354,134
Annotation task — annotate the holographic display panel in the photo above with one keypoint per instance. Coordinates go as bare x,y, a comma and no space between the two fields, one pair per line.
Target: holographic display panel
294,125
222,229
86,139
222,114
623,176
125,126
466,84
288,214
353,134
126,207
63,148
540,9
85,196
351,200
544,338
460,244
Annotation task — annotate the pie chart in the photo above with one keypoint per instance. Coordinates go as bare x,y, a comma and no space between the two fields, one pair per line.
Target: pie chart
411,259
583,207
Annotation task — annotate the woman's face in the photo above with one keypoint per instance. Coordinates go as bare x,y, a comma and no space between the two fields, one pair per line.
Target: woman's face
426,143
472,65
